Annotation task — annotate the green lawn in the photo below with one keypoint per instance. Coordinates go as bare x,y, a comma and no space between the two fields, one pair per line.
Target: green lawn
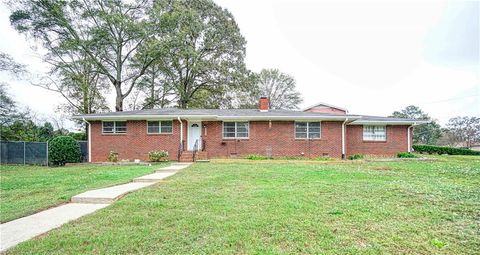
282,207
25,190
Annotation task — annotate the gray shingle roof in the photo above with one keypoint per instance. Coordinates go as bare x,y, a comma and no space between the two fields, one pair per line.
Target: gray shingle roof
210,112
254,114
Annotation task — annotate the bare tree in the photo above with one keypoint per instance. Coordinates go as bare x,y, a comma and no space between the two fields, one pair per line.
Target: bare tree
465,130
277,86
112,34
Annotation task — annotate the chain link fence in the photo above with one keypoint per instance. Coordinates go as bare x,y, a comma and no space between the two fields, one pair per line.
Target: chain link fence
31,153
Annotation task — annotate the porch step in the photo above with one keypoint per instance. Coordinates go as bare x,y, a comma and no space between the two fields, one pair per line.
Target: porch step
202,155
187,156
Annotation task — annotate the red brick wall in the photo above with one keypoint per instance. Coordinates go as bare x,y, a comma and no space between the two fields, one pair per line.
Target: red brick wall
135,144
396,141
280,137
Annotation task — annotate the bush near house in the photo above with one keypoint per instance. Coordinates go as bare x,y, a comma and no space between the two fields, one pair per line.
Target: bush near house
112,156
355,156
63,149
431,149
158,156
406,155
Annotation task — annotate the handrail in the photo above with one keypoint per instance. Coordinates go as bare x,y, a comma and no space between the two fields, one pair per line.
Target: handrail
195,149
180,149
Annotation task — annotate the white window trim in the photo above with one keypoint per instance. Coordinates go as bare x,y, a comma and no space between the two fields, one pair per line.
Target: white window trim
227,138
115,127
308,127
159,128
372,140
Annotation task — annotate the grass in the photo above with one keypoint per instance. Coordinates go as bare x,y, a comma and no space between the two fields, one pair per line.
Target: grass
29,189
353,207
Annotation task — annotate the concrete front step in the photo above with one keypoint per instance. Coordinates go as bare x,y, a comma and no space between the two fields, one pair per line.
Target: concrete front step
110,194
155,177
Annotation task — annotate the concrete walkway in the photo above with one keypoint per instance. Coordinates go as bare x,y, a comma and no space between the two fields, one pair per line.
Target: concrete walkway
19,230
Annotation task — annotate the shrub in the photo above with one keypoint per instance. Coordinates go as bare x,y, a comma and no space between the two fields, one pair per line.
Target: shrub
431,149
63,149
256,157
406,155
157,156
112,156
355,156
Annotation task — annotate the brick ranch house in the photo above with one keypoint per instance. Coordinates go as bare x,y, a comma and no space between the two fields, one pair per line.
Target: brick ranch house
319,130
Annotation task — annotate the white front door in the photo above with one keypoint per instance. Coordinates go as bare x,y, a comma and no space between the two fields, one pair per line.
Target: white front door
194,133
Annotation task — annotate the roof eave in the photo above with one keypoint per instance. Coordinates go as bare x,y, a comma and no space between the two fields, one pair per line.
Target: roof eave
288,118
214,117
142,117
389,122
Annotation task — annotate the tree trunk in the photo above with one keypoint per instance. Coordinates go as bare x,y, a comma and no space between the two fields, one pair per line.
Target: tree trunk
182,103
119,104
119,97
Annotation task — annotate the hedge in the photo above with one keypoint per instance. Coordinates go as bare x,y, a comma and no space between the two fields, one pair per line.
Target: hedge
406,155
63,149
432,149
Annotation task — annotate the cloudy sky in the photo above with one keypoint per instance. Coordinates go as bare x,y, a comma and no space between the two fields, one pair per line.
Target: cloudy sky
372,57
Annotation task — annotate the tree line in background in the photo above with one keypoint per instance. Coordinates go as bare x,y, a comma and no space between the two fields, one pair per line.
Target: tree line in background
22,124
459,131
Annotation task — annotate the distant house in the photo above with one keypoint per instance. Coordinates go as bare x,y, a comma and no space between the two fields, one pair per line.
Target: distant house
319,130
475,147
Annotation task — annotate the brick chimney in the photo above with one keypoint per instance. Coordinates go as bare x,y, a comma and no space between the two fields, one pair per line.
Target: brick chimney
264,104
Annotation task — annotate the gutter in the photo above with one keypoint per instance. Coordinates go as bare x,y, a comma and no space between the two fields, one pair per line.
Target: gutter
181,129
343,138
387,122
89,140
409,148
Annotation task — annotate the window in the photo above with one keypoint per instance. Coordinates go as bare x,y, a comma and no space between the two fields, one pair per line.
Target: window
374,133
235,129
160,127
310,130
114,127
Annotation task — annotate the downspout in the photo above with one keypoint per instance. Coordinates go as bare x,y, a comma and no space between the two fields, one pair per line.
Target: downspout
89,140
181,130
343,138
409,149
